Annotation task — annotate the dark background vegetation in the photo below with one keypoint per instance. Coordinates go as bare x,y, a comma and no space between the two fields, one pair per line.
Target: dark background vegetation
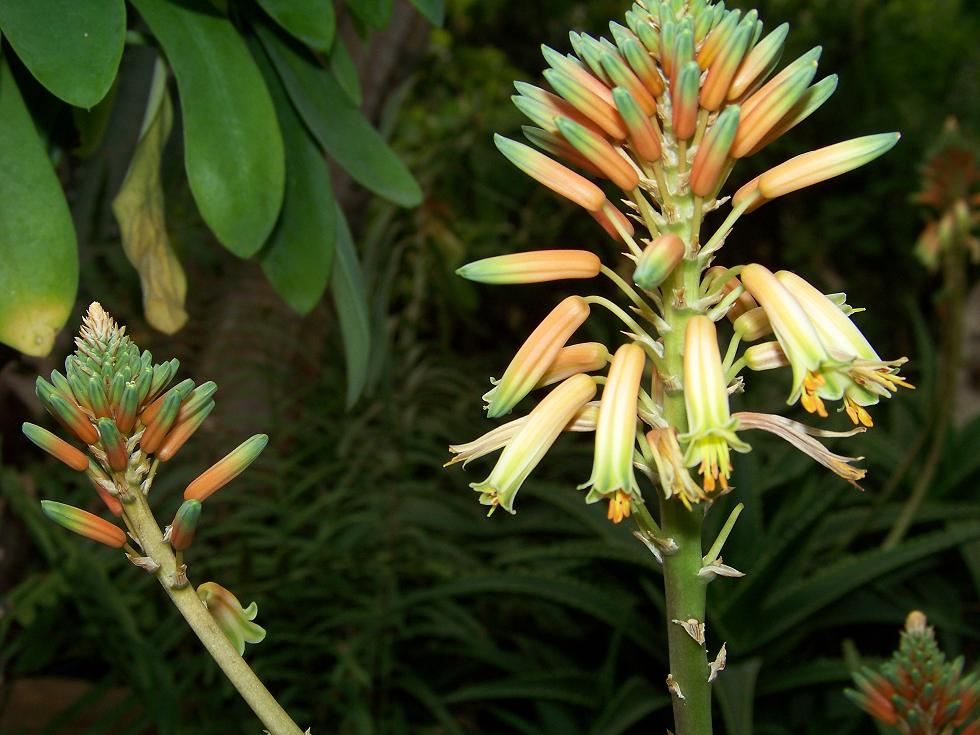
392,604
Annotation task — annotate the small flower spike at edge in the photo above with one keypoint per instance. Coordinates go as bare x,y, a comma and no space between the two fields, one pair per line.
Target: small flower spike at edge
115,400
644,131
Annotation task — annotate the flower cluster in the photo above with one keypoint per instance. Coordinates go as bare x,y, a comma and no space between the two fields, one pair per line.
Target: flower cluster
114,400
662,111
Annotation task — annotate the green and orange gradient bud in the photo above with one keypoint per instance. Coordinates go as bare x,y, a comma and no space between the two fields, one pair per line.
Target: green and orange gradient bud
56,447
236,622
552,174
84,524
586,357
724,66
585,100
226,469
658,261
713,153
759,62
182,431
643,136
685,100
184,525
536,356
535,266
599,153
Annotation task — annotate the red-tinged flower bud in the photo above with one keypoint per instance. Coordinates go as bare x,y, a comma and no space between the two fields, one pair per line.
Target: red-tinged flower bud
613,165
97,398
612,221
144,383
758,121
102,484
114,444
84,523
116,388
536,266
226,469
759,62
185,524
552,174
683,52
181,432
659,259
128,407
643,66
574,359
643,136
557,146
668,40
622,76
685,100
717,38
56,447
713,153
587,102
157,429
809,103
183,389
723,68
71,417
573,69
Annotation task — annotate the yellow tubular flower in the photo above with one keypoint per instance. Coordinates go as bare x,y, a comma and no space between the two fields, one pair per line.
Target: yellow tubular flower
612,467
711,428
542,426
536,355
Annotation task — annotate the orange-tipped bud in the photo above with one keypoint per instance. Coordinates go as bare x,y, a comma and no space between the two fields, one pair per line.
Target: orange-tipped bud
658,261
181,432
227,469
819,165
536,266
597,149
114,444
71,417
573,69
536,355
685,100
183,389
643,136
723,68
84,524
713,153
622,76
643,66
587,102
157,429
56,447
610,218
759,62
552,174
758,119
717,38
575,359
554,144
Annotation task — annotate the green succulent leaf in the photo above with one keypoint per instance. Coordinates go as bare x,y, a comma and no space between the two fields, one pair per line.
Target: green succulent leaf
72,48
310,21
39,265
340,128
233,149
344,71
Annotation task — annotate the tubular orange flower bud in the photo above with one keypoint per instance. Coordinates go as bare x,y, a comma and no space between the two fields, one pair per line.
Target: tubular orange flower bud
536,355
574,359
102,483
197,401
658,261
97,398
56,447
557,146
157,429
765,356
713,152
535,437
809,103
588,50
235,621
749,192
761,118
71,417
587,102
114,444
613,165
723,68
753,324
806,60
128,407
602,216
612,466
552,174
573,69
644,67
759,62
643,137
622,76
668,42
184,525
84,524
183,389
819,165
543,107
716,39
684,97
181,432
227,469
683,52
535,266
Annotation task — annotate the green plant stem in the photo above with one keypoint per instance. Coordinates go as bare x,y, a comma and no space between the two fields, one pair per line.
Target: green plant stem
252,690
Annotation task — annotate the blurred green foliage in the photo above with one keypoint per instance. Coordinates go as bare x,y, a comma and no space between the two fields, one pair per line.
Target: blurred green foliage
392,606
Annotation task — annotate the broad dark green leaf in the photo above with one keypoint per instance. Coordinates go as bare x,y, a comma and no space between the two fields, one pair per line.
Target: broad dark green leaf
298,257
39,262
311,21
344,71
376,13
433,10
73,48
339,127
350,298
233,149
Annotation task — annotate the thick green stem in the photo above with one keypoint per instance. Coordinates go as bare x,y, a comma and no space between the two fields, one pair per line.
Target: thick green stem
253,691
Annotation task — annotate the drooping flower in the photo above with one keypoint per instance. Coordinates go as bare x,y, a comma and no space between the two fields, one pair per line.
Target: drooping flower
711,428
235,621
